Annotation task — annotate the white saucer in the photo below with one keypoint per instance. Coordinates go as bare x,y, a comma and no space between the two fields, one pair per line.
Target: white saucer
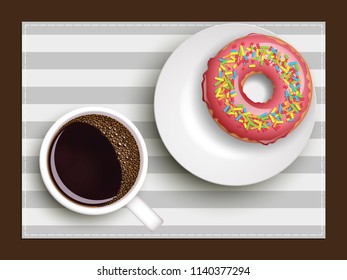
191,135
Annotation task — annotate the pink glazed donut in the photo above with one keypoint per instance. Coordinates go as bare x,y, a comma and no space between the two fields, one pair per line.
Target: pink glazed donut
234,112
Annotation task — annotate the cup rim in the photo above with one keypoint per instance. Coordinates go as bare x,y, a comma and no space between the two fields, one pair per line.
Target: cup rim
84,209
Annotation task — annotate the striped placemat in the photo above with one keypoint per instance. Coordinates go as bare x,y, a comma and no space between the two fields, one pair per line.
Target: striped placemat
116,65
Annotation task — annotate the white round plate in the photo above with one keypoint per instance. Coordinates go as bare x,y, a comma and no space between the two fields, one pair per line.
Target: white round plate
191,135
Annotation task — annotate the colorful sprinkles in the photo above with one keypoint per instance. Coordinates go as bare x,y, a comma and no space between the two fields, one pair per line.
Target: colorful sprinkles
247,57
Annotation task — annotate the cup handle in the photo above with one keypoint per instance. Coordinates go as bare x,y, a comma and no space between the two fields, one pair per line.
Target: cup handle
144,213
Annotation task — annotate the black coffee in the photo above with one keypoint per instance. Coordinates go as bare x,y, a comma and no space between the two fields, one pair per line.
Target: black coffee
94,160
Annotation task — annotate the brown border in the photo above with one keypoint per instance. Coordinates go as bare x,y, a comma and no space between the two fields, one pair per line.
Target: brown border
13,247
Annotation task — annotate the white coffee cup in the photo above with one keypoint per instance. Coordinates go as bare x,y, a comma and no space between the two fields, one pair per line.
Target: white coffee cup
145,214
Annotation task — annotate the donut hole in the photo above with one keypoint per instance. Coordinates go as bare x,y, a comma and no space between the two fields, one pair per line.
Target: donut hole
258,88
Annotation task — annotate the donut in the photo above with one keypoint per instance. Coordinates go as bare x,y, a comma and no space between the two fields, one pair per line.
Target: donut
234,112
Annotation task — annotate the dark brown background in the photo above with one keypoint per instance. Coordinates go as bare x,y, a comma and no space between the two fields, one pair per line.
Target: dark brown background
11,244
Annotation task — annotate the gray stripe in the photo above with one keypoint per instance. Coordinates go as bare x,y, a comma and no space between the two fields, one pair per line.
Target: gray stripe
160,27
173,231
102,95
204,199
314,60
118,60
37,130
233,199
167,164
278,182
314,164
320,95
302,164
318,131
88,95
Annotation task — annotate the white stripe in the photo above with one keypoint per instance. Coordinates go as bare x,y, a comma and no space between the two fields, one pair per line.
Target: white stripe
64,217
140,43
103,43
155,147
91,78
314,147
187,182
280,182
320,112
109,78
135,112
182,217
318,77
306,43
32,182
31,147
51,112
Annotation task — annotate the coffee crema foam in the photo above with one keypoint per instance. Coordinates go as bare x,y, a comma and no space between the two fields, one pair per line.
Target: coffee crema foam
124,145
